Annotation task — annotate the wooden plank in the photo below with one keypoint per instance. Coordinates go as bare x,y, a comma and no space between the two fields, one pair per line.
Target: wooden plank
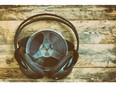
70,12
96,26
90,55
95,74
15,75
77,75
8,61
90,32
96,55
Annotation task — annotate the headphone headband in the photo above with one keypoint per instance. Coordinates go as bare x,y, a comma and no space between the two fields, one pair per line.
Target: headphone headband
53,17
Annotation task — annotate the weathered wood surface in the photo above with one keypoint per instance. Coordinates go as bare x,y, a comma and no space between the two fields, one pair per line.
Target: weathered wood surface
70,12
96,26
90,55
78,75
90,32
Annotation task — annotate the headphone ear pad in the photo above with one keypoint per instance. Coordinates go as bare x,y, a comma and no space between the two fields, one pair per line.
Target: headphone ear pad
62,74
68,66
23,66
75,57
30,73
66,70
23,42
33,70
18,58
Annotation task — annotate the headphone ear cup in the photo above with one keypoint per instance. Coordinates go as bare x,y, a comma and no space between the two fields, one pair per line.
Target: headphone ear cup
17,54
62,72
35,68
75,53
75,57
32,70
24,67
20,58
22,42
30,73
67,68
70,45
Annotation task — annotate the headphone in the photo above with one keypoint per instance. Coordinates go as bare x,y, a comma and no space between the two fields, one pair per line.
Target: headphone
45,52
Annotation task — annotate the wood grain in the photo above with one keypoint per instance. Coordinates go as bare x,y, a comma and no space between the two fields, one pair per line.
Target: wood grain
90,55
71,12
96,26
78,74
90,32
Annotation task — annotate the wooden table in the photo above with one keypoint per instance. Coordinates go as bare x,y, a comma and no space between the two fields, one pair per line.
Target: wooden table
96,26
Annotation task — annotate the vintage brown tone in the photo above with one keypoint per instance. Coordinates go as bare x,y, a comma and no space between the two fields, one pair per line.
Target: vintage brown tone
96,26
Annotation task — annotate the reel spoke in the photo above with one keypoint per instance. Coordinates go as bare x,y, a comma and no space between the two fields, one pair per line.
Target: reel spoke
37,55
56,54
46,37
